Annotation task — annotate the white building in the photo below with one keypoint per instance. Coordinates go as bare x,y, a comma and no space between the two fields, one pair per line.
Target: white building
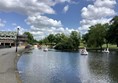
8,38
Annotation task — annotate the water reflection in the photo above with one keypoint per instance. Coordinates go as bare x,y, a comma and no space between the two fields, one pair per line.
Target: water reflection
113,67
99,68
68,67
84,69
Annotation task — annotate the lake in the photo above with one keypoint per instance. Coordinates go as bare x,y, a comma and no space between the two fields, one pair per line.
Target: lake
68,67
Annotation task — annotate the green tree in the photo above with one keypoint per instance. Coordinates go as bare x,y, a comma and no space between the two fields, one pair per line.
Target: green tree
30,37
85,38
106,40
57,38
75,39
45,40
60,37
113,31
51,38
62,41
71,42
96,35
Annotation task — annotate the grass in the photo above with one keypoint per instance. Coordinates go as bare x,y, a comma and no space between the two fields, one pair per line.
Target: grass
111,46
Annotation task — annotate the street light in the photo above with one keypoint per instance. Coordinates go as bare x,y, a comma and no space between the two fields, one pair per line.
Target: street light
17,39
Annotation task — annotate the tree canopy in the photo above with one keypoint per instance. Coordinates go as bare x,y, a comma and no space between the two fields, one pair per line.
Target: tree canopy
30,37
100,34
113,31
97,35
64,42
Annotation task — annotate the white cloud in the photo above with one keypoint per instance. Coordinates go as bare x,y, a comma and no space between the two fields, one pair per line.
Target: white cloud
2,23
42,22
105,3
94,21
93,12
21,30
66,8
40,25
63,1
30,7
90,0
27,7
100,12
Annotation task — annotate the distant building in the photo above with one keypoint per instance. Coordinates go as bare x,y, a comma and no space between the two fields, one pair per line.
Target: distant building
22,39
8,38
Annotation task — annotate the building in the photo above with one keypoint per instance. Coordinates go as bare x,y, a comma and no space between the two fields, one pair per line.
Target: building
8,38
22,39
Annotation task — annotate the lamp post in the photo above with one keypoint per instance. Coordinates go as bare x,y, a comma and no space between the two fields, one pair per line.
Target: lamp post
17,39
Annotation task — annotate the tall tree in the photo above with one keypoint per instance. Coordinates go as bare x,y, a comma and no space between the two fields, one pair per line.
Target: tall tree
96,36
75,39
106,40
57,38
51,38
71,42
113,31
30,37
60,37
85,38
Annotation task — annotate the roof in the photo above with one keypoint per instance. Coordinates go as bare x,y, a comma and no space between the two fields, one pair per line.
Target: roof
8,34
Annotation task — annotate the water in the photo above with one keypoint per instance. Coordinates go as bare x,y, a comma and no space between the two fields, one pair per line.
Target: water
68,67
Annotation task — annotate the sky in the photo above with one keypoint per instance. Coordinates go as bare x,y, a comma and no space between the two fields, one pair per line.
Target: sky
44,17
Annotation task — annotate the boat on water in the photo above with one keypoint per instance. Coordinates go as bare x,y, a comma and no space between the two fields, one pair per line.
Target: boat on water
84,52
106,50
45,49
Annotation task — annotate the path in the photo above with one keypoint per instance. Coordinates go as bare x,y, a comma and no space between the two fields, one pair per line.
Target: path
7,67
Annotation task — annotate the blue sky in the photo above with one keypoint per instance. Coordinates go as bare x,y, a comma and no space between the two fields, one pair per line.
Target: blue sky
43,17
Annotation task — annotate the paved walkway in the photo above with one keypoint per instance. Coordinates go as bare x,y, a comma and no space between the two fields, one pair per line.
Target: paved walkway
7,67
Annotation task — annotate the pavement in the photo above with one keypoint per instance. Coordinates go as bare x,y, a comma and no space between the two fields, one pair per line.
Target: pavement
7,65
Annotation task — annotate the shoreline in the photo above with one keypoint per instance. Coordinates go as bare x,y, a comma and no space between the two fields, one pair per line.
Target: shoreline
17,57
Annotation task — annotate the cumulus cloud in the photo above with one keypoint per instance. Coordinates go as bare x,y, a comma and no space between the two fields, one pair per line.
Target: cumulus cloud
21,29
2,23
63,1
93,12
27,7
105,3
100,12
42,26
42,22
35,10
66,8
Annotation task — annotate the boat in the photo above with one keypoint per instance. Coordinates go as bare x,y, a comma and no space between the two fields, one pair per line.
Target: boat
84,52
106,50
45,49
